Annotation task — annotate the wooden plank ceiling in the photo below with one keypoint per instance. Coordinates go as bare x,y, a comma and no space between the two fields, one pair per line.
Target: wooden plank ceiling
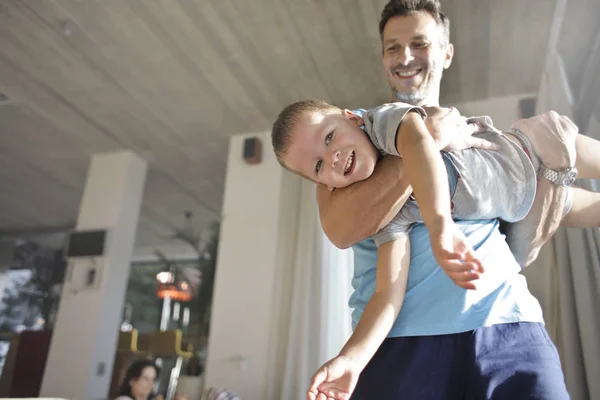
173,79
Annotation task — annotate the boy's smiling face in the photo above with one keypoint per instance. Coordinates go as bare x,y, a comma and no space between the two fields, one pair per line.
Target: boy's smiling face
331,148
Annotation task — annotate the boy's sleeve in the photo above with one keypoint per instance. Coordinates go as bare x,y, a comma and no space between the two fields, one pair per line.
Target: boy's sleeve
392,231
381,124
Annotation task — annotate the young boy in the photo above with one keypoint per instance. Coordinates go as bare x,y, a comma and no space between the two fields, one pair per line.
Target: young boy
426,172
483,177
327,145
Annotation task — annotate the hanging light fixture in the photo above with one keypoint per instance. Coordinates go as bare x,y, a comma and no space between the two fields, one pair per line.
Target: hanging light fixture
173,285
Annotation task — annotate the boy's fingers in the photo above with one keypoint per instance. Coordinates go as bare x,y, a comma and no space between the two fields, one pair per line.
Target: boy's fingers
451,255
479,265
316,380
458,266
463,259
466,285
466,280
466,276
471,257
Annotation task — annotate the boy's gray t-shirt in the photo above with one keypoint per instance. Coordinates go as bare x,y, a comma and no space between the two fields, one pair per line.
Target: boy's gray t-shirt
484,184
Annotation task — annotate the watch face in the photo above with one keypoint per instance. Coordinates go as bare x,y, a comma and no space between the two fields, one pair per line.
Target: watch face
569,178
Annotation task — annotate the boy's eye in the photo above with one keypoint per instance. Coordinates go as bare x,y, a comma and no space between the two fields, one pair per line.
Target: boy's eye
328,138
318,166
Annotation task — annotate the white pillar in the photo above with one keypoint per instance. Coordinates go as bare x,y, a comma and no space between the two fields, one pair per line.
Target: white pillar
83,345
258,216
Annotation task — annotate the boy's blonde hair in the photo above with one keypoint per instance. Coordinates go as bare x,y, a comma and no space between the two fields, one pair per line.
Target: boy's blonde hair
283,128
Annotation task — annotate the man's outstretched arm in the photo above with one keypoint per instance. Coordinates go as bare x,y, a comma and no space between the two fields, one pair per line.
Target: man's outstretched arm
358,211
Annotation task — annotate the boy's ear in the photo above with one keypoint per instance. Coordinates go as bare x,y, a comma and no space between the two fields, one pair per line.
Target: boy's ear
353,117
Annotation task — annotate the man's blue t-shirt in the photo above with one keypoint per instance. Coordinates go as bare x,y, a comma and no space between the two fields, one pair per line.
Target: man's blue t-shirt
433,304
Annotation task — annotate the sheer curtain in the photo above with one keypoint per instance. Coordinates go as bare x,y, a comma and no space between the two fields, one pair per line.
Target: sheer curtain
566,275
577,259
336,271
314,319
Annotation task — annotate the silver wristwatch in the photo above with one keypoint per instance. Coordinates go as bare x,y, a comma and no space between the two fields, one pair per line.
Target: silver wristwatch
564,177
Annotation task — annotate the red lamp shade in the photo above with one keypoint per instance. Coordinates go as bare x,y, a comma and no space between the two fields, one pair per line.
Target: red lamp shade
169,286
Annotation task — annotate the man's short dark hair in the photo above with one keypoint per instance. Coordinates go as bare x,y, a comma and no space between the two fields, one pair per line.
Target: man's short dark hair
403,8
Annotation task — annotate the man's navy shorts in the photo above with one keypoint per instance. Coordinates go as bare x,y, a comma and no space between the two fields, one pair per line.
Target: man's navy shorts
506,361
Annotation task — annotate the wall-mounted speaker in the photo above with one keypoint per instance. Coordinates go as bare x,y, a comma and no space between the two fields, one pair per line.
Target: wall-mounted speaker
90,243
527,107
252,153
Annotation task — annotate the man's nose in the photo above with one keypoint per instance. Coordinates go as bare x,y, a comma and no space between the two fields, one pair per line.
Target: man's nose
405,55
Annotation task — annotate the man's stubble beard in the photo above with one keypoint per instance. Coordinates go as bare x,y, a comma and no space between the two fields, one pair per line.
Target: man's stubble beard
418,96
413,98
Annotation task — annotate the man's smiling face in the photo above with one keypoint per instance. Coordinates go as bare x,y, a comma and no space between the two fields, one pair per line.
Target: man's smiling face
414,55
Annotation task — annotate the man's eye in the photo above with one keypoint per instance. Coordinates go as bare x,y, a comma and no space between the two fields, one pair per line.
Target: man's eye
318,166
328,138
420,45
391,49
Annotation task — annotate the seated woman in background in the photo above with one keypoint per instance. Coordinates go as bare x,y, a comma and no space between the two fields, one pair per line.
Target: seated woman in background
139,380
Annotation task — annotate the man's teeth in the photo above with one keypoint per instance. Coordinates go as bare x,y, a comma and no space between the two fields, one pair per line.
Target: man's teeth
407,73
349,162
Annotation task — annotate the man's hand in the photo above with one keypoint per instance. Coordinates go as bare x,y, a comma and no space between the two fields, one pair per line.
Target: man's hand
335,380
451,131
454,254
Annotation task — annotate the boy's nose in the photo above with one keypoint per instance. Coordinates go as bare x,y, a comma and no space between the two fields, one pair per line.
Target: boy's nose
334,158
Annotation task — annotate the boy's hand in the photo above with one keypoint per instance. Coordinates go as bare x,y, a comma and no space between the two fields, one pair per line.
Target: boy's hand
454,254
335,380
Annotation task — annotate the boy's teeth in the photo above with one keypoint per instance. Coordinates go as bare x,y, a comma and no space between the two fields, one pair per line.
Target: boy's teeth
349,163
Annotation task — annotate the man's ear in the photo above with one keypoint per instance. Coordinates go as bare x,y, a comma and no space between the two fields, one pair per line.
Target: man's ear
448,56
353,117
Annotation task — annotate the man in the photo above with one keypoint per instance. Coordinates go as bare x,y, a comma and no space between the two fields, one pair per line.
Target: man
447,343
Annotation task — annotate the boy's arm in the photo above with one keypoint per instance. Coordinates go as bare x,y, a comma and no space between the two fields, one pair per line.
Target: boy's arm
337,378
426,171
393,260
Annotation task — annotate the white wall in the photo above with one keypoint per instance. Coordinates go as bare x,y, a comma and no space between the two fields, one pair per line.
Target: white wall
243,335
503,110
